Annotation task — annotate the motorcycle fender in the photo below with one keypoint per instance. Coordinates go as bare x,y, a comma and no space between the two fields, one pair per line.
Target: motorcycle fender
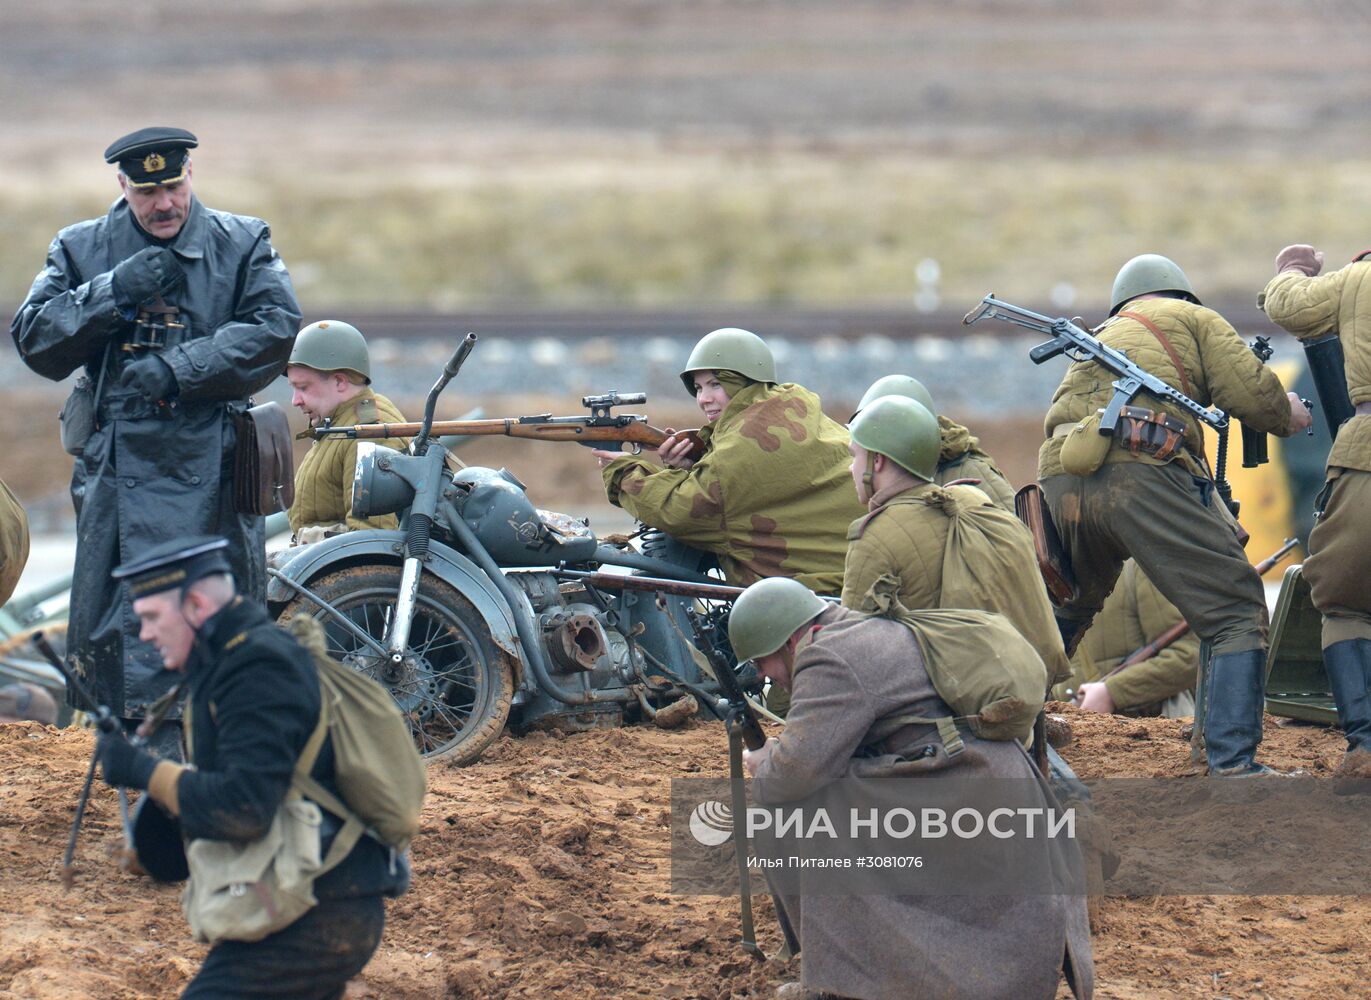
376,546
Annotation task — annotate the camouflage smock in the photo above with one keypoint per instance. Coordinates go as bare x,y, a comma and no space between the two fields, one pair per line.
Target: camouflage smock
323,483
961,457
770,496
1221,368
1338,302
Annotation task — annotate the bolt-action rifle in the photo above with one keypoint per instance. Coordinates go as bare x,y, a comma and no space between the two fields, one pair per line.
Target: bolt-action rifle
601,428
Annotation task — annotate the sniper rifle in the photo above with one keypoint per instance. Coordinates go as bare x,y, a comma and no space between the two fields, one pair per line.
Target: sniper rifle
602,427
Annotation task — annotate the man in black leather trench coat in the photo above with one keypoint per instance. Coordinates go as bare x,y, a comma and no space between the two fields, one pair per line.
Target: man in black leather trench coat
178,313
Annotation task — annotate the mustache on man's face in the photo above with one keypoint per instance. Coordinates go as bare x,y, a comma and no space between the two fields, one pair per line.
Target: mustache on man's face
170,215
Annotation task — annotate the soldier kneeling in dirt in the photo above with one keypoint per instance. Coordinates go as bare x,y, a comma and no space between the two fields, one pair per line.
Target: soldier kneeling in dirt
857,682
253,713
330,375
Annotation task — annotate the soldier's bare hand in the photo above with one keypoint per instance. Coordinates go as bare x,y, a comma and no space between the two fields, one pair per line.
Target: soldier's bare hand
1300,417
675,450
752,759
604,457
1095,697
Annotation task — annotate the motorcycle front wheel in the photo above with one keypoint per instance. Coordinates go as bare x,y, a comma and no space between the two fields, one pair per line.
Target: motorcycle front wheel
454,686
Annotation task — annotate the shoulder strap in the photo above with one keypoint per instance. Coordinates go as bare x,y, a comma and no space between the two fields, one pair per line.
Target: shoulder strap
1185,382
1361,256
1166,346
303,784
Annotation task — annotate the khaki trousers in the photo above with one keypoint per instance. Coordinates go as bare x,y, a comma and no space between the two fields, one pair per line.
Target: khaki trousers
1339,565
1170,522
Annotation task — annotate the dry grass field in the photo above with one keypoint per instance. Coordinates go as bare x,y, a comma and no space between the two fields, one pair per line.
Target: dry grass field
440,155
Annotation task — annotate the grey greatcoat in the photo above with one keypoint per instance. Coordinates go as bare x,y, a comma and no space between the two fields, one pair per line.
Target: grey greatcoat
148,472
850,674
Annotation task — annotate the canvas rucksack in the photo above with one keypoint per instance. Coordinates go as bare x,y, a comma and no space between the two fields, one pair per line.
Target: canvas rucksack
989,674
377,769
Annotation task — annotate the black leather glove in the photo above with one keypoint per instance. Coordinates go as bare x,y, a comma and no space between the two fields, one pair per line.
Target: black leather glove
122,764
150,272
151,376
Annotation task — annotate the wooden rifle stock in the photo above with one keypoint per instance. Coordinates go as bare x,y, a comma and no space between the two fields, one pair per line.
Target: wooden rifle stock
590,431
1178,630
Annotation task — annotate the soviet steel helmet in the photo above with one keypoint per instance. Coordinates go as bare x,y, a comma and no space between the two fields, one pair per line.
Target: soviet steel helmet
896,385
903,431
731,350
1148,272
332,346
767,613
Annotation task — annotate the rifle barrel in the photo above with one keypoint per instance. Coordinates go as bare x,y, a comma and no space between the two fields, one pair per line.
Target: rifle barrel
679,588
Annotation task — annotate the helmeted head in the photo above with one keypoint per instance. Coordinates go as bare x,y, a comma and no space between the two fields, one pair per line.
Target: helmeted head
904,431
763,619
896,385
175,588
328,365
155,176
730,350
1146,273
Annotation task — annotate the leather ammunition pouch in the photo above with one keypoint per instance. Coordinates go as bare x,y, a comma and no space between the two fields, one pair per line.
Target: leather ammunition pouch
1055,565
1145,432
77,419
263,461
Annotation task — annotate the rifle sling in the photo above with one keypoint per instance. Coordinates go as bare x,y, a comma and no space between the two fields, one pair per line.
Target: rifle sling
1180,369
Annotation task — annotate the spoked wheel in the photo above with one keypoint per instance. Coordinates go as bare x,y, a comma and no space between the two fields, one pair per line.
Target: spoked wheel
453,683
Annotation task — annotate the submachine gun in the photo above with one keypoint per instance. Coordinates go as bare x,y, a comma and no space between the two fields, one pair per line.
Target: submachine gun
1076,343
601,428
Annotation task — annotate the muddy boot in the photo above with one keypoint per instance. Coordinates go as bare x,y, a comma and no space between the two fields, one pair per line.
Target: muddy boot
1234,700
677,713
1348,665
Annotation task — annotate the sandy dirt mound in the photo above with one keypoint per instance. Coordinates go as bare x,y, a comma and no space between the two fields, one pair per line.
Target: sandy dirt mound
543,871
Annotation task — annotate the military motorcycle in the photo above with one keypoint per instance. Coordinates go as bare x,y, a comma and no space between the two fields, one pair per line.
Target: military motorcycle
482,610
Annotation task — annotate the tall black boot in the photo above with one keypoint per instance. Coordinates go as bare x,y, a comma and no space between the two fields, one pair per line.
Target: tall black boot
1348,665
1234,699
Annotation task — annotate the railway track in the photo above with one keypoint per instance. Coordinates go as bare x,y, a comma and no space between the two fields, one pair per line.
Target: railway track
895,322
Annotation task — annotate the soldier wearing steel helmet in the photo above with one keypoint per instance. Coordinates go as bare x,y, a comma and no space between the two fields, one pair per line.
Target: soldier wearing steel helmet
862,705
943,547
330,379
960,455
770,496
178,314
1156,501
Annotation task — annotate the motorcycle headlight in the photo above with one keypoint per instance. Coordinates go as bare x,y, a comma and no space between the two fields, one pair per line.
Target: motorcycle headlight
376,488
